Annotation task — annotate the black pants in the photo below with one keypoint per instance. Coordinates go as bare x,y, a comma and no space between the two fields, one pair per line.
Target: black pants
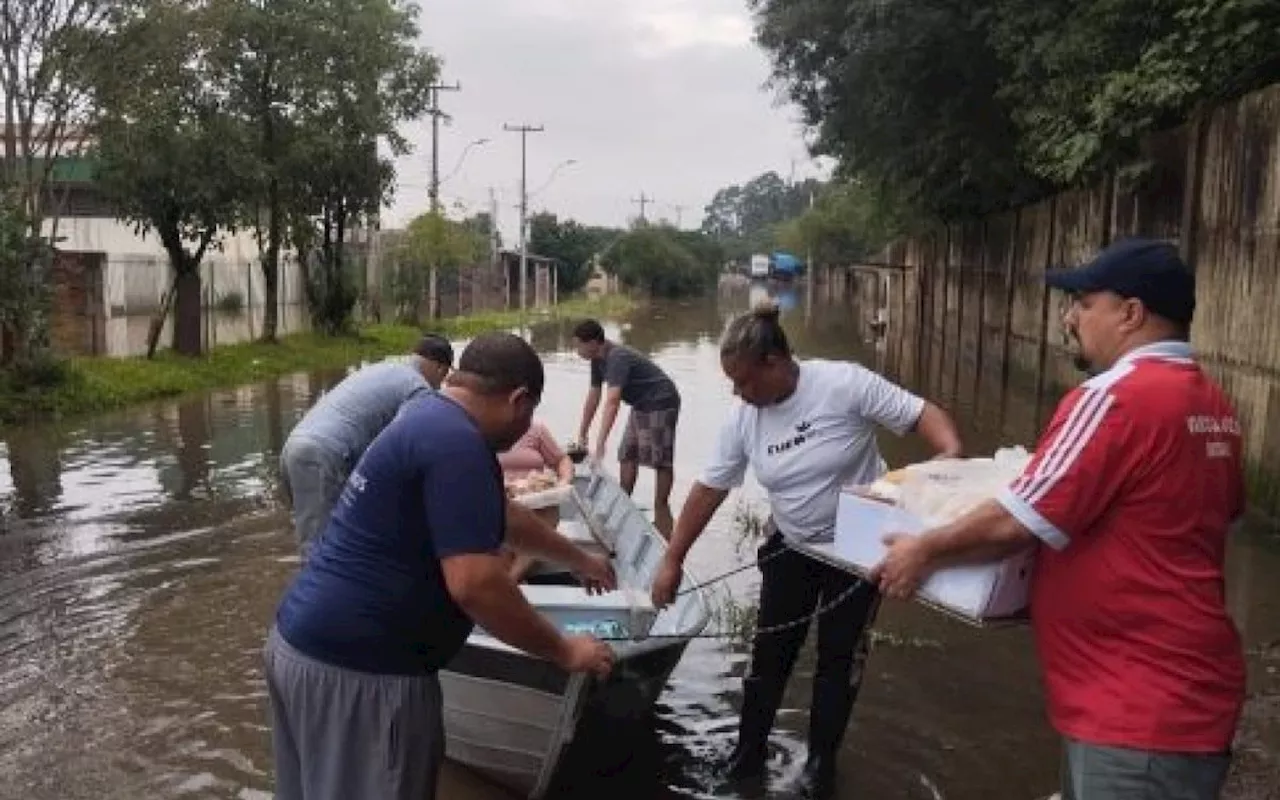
793,587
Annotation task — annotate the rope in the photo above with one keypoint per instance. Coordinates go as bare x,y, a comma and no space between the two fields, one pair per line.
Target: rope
749,565
765,631
768,630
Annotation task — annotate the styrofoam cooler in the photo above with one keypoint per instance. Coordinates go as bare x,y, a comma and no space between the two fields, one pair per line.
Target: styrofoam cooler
977,593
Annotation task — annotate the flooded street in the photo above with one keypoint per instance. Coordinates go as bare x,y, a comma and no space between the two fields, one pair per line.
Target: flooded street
142,555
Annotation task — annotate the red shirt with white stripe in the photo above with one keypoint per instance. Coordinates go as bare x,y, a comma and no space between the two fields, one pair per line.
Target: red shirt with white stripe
1131,491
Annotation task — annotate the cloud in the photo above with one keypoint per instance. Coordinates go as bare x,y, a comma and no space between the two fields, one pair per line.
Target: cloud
665,97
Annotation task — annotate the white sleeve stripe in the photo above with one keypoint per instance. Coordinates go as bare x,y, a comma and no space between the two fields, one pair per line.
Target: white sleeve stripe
1070,435
1033,520
1095,421
1060,443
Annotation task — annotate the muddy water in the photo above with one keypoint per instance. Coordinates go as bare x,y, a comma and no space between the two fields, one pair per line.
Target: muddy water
141,555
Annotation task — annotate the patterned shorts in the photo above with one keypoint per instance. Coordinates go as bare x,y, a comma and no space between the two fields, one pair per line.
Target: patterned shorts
650,438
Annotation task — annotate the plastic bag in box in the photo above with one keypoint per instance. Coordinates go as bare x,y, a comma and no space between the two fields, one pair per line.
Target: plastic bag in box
944,490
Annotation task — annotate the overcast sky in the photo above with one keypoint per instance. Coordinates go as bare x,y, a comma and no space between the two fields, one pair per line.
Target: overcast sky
664,97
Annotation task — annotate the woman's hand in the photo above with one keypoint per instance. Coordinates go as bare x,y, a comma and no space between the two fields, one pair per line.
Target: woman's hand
665,582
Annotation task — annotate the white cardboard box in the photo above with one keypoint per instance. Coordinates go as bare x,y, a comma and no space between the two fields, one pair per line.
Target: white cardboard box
979,594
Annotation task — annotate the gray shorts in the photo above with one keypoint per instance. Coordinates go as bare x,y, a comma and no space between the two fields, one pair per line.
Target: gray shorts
1096,772
312,477
338,734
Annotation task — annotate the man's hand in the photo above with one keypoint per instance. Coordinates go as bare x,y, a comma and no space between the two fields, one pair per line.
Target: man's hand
907,565
596,574
665,582
586,654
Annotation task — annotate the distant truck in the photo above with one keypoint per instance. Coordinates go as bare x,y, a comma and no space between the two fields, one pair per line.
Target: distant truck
783,266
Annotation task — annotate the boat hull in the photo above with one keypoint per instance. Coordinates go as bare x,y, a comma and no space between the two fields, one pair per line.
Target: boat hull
511,716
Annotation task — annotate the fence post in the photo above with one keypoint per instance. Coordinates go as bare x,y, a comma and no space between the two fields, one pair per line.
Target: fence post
1192,185
1010,295
980,345
1043,359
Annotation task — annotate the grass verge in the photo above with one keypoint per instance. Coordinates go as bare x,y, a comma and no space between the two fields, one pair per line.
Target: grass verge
89,385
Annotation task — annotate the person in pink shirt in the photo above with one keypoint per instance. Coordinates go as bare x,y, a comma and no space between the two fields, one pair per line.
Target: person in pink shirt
536,451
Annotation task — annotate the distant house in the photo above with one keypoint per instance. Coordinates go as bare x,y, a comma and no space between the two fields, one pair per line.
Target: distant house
541,286
111,276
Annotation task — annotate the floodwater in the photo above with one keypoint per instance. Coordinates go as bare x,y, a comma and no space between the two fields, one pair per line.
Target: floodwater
142,554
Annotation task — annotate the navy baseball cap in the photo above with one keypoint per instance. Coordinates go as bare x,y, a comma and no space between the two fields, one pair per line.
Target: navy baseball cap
1145,269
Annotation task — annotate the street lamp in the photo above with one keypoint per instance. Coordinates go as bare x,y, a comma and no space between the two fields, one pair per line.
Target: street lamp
566,163
463,157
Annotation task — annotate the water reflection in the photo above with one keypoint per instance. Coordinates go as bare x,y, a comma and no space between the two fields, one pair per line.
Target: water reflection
142,553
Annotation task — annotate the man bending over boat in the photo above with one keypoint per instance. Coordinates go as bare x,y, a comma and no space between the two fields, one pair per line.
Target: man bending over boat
650,436
322,448
408,564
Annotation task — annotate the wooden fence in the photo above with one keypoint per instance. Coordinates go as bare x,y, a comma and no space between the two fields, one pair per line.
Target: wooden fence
972,309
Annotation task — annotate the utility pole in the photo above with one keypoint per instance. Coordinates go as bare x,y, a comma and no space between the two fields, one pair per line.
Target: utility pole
524,131
643,200
436,113
679,214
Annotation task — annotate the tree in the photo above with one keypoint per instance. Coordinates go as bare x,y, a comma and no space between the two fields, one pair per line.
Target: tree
19,251
322,81
744,218
656,259
903,96
1088,79
571,244
43,46
431,241
171,154
951,110
847,222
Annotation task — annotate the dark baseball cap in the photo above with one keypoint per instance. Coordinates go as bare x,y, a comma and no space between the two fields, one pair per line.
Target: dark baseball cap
1144,269
434,347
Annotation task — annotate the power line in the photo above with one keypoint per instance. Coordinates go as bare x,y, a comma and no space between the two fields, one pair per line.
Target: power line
524,131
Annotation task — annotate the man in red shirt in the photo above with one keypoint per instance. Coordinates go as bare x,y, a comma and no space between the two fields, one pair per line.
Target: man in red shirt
1129,499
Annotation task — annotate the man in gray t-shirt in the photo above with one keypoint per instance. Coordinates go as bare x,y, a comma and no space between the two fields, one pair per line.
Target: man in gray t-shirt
329,440
650,436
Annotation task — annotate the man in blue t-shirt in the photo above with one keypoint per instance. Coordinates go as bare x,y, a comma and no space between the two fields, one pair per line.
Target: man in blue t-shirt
409,562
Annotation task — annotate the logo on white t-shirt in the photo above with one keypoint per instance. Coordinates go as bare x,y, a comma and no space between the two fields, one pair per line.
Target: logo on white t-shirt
790,443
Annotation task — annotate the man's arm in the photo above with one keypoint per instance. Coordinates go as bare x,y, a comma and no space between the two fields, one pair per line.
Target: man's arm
528,534
478,583
612,402
589,407
987,533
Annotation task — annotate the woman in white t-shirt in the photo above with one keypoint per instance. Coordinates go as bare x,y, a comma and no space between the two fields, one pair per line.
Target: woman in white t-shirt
805,429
